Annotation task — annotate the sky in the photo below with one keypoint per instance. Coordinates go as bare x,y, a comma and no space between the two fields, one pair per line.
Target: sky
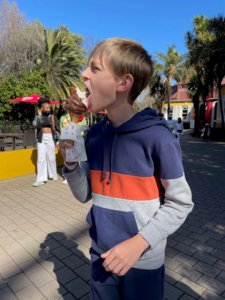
154,24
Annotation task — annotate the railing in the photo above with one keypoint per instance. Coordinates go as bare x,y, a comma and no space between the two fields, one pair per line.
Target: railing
15,126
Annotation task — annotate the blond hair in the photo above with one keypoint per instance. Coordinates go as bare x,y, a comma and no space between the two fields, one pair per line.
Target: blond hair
125,56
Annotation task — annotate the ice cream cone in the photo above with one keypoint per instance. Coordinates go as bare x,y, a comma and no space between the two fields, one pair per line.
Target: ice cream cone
74,116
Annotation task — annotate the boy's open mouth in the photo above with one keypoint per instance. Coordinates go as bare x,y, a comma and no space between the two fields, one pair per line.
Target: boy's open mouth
87,92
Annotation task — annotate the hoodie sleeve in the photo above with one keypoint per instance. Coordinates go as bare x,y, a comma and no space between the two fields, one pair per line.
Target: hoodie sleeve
177,198
79,180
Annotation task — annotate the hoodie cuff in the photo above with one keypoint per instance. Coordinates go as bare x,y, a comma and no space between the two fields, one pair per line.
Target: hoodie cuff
152,234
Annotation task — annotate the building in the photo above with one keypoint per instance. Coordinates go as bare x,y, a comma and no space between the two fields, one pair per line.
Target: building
181,106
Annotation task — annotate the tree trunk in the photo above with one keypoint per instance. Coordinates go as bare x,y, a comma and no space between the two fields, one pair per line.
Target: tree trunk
204,104
169,96
196,106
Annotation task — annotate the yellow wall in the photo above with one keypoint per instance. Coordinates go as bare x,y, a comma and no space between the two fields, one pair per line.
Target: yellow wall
21,162
179,103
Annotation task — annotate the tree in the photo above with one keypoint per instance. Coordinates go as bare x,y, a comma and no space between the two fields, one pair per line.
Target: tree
28,83
194,87
20,41
158,89
200,54
62,61
217,29
170,67
90,43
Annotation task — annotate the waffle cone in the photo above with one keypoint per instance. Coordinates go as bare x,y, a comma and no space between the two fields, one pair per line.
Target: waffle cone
74,117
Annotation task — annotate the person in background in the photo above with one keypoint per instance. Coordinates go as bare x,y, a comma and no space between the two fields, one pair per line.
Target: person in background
205,132
65,119
171,123
178,129
47,126
160,115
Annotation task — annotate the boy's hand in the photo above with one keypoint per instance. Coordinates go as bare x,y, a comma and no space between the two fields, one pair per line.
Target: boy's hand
63,145
123,256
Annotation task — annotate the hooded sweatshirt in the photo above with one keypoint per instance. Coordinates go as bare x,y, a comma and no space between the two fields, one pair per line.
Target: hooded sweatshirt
135,177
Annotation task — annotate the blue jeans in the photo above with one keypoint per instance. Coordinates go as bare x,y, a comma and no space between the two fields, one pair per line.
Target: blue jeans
136,284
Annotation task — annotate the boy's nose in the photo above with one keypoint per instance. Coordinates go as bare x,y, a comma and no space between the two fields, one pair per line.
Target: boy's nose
85,74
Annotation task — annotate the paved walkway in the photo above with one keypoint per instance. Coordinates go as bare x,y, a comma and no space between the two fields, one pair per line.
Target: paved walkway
44,237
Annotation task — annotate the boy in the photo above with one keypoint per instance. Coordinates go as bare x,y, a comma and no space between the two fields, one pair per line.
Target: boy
134,175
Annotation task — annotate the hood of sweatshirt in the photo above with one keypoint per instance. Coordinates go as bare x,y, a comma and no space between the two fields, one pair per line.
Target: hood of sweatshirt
109,134
144,119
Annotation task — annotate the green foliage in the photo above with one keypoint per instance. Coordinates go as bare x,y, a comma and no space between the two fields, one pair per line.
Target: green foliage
62,61
27,84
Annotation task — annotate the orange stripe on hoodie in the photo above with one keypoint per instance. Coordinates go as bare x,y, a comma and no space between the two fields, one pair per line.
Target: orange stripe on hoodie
126,186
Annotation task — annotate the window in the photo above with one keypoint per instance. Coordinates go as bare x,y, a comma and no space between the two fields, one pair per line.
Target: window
184,112
223,103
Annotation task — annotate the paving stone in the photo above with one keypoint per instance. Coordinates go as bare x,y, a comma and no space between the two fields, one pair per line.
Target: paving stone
69,243
53,290
13,248
207,269
6,294
65,275
186,297
9,270
30,266
197,237
205,257
73,262
183,248
50,244
171,242
183,231
171,276
5,259
221,277
216,244
212,284
2,284
189,287
171,263
170,251
185,259
208,295
171,293
220,264
214,235
62,252
86,297
30,292
21,256
202,247
188,272
41,278
69,297
218,253
52,264
196,229
18,282
84,272
185,240
78,287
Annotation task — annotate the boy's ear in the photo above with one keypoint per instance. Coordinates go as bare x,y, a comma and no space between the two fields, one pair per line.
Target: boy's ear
125,83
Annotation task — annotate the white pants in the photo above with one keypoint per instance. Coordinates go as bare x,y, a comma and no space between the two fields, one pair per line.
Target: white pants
46,158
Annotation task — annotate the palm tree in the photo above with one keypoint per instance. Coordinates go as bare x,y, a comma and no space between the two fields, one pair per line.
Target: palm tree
62,61
171,67
158,89
194,87
217,28
199,44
